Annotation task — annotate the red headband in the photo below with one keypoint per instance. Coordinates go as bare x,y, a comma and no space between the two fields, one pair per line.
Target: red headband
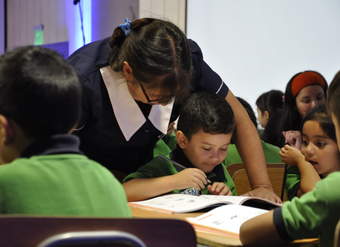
306,79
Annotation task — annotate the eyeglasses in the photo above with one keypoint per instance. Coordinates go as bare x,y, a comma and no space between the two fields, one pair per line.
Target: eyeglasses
160,100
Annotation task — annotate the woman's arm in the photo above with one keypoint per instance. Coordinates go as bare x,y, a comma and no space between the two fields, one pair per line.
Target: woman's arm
249,146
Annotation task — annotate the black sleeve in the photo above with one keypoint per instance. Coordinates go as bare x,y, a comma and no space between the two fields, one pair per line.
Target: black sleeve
204,78
279,224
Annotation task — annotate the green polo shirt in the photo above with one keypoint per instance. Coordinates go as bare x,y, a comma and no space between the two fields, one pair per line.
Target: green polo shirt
271,154
315,214
53,179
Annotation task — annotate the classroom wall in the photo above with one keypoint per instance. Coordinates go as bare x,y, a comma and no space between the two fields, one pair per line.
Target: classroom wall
61,20
107,14
258,45
171,10
24,15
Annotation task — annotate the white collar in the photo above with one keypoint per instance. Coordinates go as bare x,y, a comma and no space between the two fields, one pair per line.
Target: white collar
128,114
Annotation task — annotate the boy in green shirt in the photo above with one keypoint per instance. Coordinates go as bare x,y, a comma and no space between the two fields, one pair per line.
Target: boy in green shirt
43,171
204,131
315,214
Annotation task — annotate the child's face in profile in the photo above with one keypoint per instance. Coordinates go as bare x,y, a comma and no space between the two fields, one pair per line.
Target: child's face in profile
205,150
319,149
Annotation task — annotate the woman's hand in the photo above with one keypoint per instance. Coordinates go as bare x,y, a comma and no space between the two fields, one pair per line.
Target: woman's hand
264,193
291,155
293,138
190,178
219,188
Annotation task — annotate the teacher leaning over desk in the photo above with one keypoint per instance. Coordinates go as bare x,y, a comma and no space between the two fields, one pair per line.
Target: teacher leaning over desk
133,85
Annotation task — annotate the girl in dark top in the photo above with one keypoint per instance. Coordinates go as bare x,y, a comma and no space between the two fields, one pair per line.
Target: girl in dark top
269,109
133,85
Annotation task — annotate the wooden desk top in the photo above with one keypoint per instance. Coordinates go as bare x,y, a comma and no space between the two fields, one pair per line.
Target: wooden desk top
204,236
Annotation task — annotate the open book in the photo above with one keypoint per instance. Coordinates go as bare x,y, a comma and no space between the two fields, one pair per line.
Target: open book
226,218
184,203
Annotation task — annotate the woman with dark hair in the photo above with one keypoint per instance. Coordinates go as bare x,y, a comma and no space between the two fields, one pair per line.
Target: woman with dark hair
269,110
133,85
304,91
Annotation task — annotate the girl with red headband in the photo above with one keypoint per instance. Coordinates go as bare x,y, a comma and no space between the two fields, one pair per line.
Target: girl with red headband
304,91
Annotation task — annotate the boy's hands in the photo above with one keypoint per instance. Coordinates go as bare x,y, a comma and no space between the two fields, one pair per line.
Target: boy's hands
190,178
291,155
219,188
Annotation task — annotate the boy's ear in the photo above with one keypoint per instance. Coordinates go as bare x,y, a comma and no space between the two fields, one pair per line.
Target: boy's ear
6,130
182,140
127,71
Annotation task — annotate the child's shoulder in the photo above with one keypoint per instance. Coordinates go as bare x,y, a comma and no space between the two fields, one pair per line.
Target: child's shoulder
327,190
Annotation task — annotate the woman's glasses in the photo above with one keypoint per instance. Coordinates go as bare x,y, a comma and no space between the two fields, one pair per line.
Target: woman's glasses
161,100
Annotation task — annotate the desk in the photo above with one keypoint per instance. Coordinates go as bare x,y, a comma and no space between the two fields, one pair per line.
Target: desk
204,236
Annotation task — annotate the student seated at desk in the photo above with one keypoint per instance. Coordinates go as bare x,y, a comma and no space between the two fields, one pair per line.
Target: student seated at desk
203,134
44,173
315,214
319,155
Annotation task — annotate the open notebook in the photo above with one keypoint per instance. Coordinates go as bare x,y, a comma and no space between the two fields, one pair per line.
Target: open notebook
226,218
184,203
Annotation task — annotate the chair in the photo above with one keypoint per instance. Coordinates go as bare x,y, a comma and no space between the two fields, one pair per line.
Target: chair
93,238
29,231
276,173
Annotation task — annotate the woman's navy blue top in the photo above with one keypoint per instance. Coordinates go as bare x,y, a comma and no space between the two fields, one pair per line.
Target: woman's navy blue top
100,135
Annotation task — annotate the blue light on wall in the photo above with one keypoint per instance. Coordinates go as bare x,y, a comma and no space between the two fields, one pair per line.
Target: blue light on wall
73,23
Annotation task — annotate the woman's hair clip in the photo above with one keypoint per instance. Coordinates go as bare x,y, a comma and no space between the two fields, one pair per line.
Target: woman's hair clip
126,26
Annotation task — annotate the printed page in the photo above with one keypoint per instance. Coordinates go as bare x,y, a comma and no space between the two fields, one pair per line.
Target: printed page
225,199
181,203
227,218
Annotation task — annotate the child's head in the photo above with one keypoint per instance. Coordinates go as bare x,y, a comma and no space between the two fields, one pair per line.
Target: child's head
304,91
39,96
268,105
333,104
319,144
204,130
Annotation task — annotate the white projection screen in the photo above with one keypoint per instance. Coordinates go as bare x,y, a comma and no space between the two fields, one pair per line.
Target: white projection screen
257,45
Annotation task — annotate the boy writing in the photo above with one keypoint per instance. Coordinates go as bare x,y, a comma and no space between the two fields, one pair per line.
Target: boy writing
44,172
315,214
203,134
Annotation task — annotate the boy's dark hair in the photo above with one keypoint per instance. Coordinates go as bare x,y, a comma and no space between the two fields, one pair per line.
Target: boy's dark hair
333,103
153,48
271,101
39,91
319,114
207,112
